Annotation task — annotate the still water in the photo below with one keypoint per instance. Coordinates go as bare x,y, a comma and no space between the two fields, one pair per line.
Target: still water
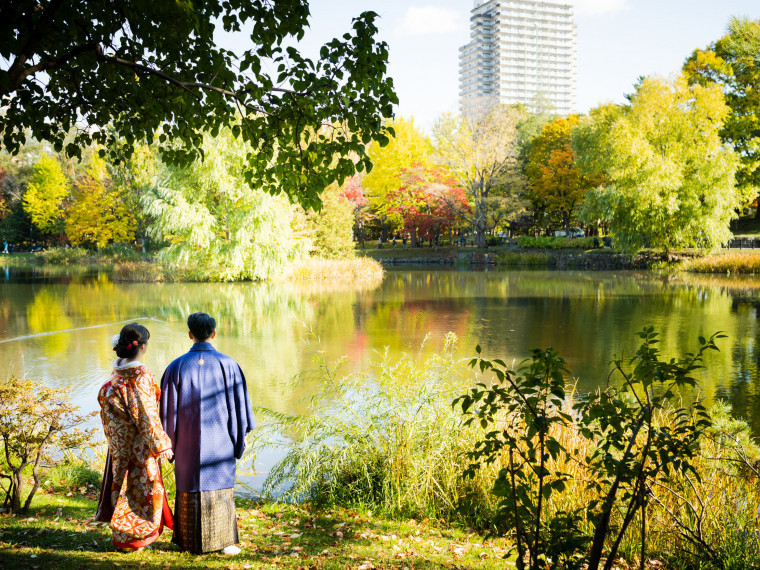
56,324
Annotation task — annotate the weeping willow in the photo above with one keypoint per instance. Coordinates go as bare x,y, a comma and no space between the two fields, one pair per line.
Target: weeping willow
216,225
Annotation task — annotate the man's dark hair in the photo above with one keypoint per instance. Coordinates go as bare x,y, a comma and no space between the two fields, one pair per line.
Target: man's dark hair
202,325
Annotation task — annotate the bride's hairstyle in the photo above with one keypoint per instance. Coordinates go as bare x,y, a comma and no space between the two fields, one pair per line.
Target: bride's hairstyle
130,339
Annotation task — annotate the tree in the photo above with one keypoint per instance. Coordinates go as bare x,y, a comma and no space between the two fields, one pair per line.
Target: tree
407,148
126,71
481,151
558,185
671,180
132,179
98,214
734,65
353,191
429,200
43,199
35,419
331,228
216,224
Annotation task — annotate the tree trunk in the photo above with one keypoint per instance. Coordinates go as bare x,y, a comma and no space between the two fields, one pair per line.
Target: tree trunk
413,237
16,487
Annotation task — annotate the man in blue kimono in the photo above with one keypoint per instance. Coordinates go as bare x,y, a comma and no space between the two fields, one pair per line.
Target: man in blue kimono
206,413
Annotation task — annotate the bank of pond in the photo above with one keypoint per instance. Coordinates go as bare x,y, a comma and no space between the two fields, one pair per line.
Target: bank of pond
427,461
367,267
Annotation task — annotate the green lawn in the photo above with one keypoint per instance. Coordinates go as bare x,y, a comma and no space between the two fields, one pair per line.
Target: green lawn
59,533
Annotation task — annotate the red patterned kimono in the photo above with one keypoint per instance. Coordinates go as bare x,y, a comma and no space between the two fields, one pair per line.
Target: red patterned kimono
129,410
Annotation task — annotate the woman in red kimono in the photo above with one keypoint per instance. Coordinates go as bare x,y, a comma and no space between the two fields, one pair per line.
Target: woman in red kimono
132,497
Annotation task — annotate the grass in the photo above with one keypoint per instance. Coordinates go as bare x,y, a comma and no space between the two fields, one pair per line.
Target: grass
730,262
17,259
59,532
359,272
385,439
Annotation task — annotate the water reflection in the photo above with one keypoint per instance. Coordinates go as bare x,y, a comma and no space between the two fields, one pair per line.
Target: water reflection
590,318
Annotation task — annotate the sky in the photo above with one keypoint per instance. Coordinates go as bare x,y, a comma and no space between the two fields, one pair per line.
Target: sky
618,42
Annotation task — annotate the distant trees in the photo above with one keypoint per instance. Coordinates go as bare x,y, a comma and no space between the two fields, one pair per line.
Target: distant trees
670,178
558,185
481,151
429,201
733,63
98,215
44,196
213,221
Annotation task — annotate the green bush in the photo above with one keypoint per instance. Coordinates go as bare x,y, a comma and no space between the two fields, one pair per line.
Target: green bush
513,259
72,474
63,255
119,252
545,242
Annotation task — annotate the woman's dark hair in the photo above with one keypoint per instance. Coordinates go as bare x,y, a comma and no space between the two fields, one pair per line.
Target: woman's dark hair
201,325
130,339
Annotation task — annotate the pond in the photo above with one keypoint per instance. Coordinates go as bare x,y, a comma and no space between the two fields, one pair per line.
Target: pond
56,324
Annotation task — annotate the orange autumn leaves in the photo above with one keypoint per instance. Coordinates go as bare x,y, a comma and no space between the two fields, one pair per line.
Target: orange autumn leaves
558,187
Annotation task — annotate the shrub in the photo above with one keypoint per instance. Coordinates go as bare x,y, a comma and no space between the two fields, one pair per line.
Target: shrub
63,255
386,437
119,252
545,242
512,259
35,419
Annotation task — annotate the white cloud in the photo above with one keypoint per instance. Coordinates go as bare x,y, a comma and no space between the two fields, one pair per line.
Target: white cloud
599,7
429,20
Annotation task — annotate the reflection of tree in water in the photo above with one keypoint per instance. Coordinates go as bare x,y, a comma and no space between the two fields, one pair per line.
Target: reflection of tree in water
590,318
742,389
50,312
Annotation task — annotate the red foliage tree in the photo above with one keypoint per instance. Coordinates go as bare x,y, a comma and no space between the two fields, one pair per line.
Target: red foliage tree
353,191
429,201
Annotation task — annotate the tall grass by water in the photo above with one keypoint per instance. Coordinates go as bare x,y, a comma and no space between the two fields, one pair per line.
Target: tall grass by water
385,437
732,262
357,271
69,255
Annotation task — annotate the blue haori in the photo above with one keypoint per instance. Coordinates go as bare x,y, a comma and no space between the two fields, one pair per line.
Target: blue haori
206,413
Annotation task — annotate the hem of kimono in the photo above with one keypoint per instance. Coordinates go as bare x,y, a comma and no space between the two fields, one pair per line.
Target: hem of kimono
167,521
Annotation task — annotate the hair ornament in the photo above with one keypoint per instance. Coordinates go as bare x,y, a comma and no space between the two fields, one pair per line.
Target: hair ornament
115,340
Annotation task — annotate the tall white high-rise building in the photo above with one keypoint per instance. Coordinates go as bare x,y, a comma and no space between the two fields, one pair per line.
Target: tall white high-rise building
519,51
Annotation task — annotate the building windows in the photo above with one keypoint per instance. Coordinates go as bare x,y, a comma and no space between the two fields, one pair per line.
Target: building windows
524,47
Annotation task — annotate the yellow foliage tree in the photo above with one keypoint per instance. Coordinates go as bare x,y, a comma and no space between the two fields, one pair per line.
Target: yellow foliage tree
44,196
98,215
407,148
558,185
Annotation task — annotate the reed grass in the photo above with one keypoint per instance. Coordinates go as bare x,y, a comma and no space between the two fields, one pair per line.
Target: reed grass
386,438
151,272
360,272
740,263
